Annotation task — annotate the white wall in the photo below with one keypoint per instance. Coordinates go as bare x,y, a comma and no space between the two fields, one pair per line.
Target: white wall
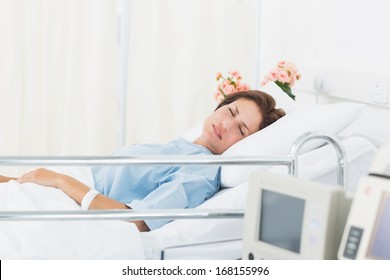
348,34
344,42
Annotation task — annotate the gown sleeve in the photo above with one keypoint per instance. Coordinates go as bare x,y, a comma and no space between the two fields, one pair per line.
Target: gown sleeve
184,187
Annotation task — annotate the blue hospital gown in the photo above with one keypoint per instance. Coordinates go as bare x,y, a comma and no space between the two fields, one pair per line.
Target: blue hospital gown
159,186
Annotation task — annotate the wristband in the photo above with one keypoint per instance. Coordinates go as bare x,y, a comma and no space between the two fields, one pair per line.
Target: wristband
87,199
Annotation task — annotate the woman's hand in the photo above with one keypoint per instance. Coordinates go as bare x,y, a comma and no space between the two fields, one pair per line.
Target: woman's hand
43,177
75,189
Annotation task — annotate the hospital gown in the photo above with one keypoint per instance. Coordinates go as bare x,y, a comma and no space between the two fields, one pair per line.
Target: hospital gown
159,186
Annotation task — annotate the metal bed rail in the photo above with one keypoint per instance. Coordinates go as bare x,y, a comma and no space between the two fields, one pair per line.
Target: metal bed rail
291,161
139,160
126,215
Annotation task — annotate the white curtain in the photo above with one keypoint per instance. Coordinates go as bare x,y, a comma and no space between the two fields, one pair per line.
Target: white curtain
57,76
176,48
58,70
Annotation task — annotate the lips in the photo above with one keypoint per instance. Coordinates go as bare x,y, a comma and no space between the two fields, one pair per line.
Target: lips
217,132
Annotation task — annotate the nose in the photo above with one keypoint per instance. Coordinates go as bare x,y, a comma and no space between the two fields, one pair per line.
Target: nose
228,124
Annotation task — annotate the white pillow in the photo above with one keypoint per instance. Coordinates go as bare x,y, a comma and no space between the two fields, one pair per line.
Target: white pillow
277,139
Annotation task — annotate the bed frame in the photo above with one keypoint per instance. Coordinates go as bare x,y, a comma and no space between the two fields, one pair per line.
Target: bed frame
291,161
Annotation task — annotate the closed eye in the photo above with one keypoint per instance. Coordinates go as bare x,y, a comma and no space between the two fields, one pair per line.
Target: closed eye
234,113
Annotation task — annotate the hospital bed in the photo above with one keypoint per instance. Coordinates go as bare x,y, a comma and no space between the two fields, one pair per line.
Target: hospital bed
222,238
211,231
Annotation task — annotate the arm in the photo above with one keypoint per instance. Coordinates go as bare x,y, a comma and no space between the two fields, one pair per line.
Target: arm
187,187
4,179
74,189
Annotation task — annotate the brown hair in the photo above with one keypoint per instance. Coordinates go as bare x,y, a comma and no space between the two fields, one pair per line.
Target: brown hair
264,101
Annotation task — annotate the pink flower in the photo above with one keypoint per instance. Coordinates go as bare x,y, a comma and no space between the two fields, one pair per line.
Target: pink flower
264,82
229,89
243,87
273,75
218,96
235,75
281,64
284,75
227,82
292,81
229,85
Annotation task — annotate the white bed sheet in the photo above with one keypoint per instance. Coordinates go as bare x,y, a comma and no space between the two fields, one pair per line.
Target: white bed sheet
61,239
181,239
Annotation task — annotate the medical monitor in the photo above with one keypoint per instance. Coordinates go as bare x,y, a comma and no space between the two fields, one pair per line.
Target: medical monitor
291,218
367,231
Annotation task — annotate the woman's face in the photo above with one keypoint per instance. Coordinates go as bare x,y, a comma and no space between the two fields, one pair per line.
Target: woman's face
229,124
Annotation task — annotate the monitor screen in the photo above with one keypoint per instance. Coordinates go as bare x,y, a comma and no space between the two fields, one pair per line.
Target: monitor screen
281,220
380,246
292,218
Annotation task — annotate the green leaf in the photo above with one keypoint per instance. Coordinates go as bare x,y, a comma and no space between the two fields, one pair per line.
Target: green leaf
286,88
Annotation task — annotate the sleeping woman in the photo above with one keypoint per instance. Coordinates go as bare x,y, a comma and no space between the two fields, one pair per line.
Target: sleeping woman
176,187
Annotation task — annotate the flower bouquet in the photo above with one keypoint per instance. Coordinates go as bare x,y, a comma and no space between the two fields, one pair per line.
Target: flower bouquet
229,84
284,75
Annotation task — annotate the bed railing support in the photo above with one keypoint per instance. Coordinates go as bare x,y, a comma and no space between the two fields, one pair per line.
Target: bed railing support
340,151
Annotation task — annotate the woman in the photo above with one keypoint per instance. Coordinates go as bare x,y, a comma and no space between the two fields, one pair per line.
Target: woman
142,187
